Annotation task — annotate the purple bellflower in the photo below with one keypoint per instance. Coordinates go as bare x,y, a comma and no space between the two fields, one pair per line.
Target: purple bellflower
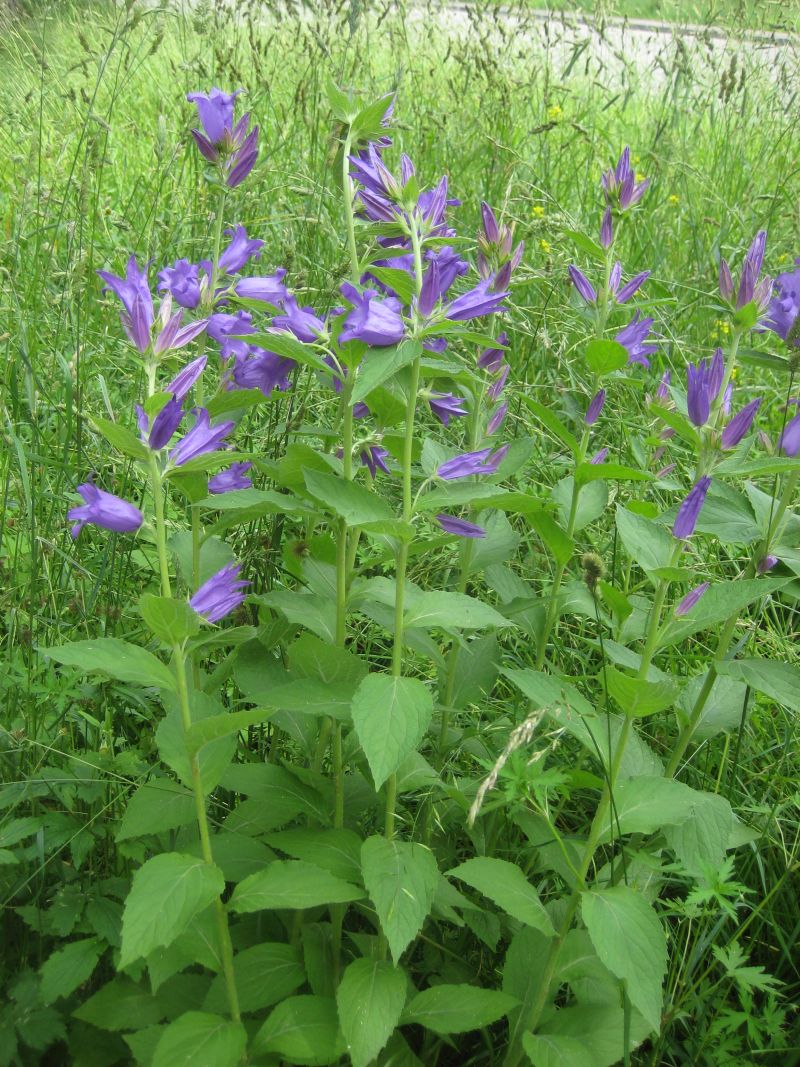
304,322
475,303
374,321
221,142
182,279
103,509
182,383
620,185
227,329
497,419
374,458
230,479
633,336
137,301
484,461
629,289
691,598
607,229
241,249
497,257
499,384
164,424
460,527
789,441
223,592
446,405
172,335
662,392
202,438
595,407
582,284
599,457
689,511
740,424
268,289
766,563
784,307
750,288
491,359
703,385
263,370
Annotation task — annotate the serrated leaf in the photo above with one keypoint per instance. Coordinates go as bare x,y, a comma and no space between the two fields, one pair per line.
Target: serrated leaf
456,1009
390,715
721,601
302,1030
69,967
648,803
639,697
648,544
370,1000
379,364
604,356
118,659
166,893
505,884
700,841
158,805
781,681
401,878
292,884
354,503
265,974
557,1050
120,1004
452,611
200,1038
171,620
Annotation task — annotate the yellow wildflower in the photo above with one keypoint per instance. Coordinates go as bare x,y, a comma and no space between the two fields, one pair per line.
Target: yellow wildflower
538,211
554,113
674,199
545,246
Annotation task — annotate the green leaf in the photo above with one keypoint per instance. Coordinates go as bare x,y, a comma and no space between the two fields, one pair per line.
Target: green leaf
370,999
452,611
592,501
167,892
679,423
123,439
610,472
214,555
605,356
68,967
587,245
700,841
253,503
292,884
217,726
354,503
309,657
648,803
598,1027
120,1004
171,620
401,878
173,744
158,805
390,716
302,1030
630,941
316,613
456,1009
337,851
781,681
505,884
118,659
551,421
284,344
721,601
638,697
556,1050
648,544
265,974
368,123
275,790
342,106
199,1038
379,364
555,538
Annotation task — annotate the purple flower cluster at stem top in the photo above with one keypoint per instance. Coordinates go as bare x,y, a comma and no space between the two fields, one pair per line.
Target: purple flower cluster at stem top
231,147
622,189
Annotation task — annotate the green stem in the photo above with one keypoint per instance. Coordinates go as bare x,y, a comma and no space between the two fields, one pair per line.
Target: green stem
347,189
157,488
226,946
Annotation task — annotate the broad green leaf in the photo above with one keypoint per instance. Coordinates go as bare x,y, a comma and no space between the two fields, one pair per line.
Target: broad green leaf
344,109
610,472
728,515
199,1038
456,1009
605,356
599,1027
524,970
255,502
555,538
721,601
309,657
276,790
478,667
316,613
379,364
173,743
357,505
630,941
118,659
390,716
302,1030
292,884
556,1050
500,543
265,974
648,803
452,611
759,467
505,884
368,123
551,421
284,344
648,544
217,726
700,841
68,967
167,892
679,423
592,502
337,851
120,1004
214,555
158,805
638,697
402,283
723,708
122,438
781,681
370,999
401,878
171,620
586,244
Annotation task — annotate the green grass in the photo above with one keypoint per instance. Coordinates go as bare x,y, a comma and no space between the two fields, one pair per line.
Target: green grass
765,15
96,164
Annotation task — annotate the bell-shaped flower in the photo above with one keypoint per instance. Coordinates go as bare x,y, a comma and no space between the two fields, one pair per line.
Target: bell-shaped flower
303,322
202,438
373,457
620,185
784,307
183,281
269,289
241,249
484,461
185,379
445,406
231,479
137,301
103,509
689,511
691,598
789,441
164,424
227,331
739,425
374,321
479,301
595,407
633,336
460,527
221,594
582,284
264,370
704,381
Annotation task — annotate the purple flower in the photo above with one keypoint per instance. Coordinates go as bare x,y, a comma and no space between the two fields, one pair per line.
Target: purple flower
239,251
172,335
620,184
785,305
789,441
475,303
230,479
374,458
691,598
664,471
263,370
491,359
164,425
703,385
304,323
215,112
243,159
582,284
373,321
446,405
599,457
725,280
491,230
740,424
202,438
750,288
226,329
460,527
623,295
182,279
607,229
595,407
499,384
223,592
185,379
134,292
103,509
633,337
689,511
662,392
485,461
221,142
270,289
497,419
767,563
